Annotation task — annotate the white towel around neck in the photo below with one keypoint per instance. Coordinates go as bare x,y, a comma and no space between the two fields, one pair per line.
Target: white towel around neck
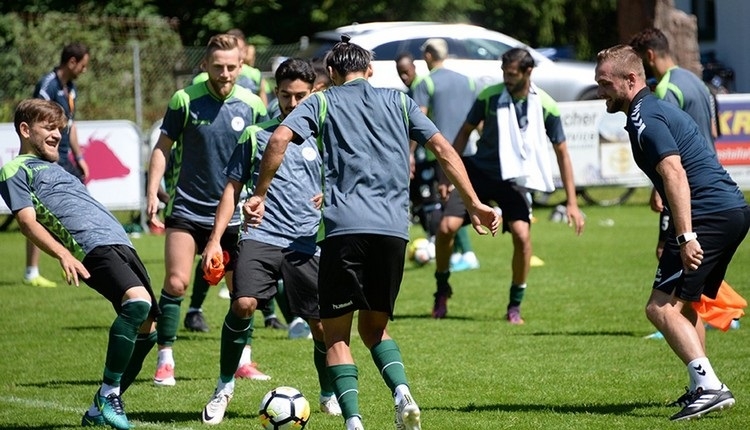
524,155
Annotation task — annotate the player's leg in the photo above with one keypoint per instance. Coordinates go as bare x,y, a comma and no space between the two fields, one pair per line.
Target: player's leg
515,203
453,218
194,318
463,257
32,276
179,253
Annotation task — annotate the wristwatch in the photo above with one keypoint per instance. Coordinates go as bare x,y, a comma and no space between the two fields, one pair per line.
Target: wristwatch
686,237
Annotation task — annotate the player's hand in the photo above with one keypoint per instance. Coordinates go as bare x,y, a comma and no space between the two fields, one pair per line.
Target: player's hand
656,203
575,218
444,191
317,201
253,210
152,208
73,269
691,254
213,248
485,216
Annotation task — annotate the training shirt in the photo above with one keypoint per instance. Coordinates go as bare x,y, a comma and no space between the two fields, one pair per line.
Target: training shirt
62,204
448,96
291,220
657,130
364,133
205,131
487,157
50,87
685,90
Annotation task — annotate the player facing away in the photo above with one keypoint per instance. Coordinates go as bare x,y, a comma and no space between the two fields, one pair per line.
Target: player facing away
709,212
281,248
201,127
364,134
56,212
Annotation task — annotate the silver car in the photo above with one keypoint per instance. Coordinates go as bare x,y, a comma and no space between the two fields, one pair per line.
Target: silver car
473,51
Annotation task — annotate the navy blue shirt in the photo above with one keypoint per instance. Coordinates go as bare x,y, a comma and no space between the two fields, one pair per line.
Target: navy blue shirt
658,129
49,87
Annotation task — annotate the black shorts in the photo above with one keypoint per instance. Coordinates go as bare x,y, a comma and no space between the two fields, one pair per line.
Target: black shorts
360,271
115,269
665,225
514,200
201,233
259,268
719,235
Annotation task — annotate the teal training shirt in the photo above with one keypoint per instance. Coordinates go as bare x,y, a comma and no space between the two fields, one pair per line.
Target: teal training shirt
62,203
364,134
205,130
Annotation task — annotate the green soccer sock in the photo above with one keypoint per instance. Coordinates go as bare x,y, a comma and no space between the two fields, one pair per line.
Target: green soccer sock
166,328
462,242
345,385
143,345
516,294
200,287
236,332
269,309
319,358
122,336
387,358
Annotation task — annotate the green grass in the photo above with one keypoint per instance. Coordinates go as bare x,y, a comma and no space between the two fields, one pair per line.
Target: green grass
579,362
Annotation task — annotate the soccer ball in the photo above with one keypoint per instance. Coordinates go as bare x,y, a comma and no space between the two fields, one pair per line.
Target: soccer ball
284,408
421,251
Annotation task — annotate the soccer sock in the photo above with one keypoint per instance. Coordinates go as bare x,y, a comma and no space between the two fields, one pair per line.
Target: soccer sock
354,423
387,358
516,294
164,356
399,393
283,303
269,310
703,375
200,288
143,345
122,336
442,283
462,242
234,336
345,384
319,358
31,272
166,329
247,353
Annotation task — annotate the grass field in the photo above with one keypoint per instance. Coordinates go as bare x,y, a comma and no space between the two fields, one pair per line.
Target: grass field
579,362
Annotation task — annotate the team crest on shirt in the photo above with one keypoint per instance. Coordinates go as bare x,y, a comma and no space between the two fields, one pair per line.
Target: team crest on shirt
238,124
309,154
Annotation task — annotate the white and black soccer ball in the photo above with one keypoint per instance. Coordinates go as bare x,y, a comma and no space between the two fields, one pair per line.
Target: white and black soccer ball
284,408
421,251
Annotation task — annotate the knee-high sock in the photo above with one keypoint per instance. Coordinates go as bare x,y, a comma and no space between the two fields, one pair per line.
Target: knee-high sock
122,336
143,345
346,386
200,287
387,358
166,328
235,334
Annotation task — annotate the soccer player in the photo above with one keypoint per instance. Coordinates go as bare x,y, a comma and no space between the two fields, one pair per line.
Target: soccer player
516,114
56,212
59,86
364,134
281,248
709,212
201,127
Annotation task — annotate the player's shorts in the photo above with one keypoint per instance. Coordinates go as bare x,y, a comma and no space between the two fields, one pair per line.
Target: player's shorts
513,199
114,269
259,268
719,235
201,233
360,272
665,225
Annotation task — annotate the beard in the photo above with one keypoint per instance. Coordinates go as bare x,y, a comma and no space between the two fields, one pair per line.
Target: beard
615,105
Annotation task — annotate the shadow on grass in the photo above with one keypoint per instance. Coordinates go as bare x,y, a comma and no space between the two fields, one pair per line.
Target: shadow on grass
96,383
179,417
37,426
427,316
585,333
605,409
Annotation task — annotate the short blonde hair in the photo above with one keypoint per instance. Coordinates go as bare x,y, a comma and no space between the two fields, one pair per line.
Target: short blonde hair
222,42
624,60
32,111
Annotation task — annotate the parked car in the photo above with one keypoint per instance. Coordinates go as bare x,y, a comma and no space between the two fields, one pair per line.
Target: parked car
473,51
